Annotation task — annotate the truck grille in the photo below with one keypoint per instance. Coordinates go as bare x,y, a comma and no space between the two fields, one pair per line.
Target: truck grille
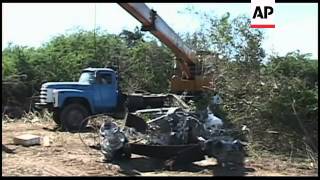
43,95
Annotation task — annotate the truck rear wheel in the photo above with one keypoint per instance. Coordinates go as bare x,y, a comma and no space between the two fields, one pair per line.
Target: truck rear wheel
73,116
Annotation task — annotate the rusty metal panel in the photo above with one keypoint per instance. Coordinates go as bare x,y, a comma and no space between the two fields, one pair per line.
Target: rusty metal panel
199,84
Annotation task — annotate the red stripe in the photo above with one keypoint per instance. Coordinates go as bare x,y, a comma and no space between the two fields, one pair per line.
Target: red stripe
262,26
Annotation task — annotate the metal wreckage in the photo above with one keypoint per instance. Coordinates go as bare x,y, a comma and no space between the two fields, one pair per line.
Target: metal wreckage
173,134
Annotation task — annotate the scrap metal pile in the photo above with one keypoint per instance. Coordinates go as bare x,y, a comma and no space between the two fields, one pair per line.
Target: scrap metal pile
172,134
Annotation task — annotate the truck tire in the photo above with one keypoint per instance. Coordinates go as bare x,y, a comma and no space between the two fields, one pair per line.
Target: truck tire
72,117
56,117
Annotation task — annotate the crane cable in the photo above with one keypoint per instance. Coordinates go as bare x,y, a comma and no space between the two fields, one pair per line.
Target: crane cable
94,32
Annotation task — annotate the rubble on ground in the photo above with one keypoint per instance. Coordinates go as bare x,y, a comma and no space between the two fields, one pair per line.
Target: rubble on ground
172,134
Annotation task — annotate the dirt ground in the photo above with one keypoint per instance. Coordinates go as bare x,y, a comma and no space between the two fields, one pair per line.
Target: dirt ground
68,156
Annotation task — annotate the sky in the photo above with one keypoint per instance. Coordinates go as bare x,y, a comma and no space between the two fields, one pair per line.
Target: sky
32,24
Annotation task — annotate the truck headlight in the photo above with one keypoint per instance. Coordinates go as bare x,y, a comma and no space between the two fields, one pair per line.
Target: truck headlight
55,94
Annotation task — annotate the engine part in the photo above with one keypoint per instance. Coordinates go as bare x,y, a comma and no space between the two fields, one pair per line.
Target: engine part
114,143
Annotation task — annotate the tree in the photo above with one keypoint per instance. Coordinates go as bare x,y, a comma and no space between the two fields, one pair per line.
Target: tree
131,38
280,95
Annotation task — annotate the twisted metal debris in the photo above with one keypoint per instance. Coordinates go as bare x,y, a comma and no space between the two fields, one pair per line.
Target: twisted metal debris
174,135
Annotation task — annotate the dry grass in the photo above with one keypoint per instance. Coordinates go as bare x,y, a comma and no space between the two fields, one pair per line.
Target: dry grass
30,117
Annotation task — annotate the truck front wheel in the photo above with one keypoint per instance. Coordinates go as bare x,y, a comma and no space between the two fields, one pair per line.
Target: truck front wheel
56,117
73,117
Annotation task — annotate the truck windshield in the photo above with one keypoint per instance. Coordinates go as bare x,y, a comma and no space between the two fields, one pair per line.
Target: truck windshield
87,77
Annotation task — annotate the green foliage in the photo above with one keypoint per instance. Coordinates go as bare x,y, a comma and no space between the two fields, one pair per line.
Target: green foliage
150,66
131,38
142,65
294,105
280,96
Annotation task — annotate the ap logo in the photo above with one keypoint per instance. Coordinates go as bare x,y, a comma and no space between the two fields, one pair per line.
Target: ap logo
262,13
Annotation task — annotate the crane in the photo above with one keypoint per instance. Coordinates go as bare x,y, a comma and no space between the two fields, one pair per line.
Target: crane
70,102
191,78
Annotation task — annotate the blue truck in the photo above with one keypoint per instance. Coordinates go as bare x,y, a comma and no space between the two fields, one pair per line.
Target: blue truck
97,91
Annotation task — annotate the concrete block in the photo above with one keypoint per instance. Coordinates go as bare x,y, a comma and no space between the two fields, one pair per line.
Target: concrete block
27,140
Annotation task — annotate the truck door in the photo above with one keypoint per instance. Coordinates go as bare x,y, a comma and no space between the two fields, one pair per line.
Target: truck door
107,87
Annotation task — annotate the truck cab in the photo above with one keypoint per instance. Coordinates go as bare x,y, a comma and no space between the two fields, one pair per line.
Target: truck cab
97,91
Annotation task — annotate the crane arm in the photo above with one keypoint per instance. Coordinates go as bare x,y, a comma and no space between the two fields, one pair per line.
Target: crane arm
158,27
